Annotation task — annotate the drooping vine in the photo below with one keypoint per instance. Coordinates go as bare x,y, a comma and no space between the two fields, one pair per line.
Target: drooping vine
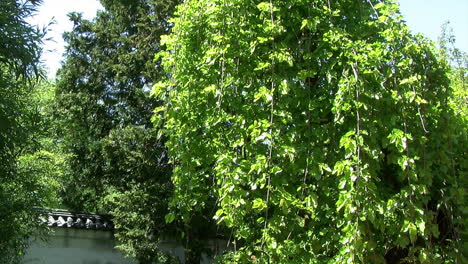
312,129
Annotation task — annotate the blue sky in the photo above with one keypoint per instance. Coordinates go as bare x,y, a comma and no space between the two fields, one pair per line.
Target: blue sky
57,11
422,16
427,16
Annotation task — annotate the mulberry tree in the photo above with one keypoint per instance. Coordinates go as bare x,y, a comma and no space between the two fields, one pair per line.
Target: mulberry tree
315,131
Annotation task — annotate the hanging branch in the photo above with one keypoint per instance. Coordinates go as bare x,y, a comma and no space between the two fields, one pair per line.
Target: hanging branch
270,147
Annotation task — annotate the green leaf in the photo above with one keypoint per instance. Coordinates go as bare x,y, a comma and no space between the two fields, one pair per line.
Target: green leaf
412,232
170,217
264,6
258,204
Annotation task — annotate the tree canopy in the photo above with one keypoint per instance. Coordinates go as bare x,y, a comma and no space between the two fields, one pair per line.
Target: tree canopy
20,190
103,95
116,163
323,131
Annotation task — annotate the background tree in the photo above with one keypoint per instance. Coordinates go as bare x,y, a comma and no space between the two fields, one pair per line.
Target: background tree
117,163
458,60
20,190
42,157
322,130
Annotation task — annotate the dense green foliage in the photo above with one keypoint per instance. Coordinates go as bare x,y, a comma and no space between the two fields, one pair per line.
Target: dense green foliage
308,131
42,157
322,130
116,163
20,189
19,41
